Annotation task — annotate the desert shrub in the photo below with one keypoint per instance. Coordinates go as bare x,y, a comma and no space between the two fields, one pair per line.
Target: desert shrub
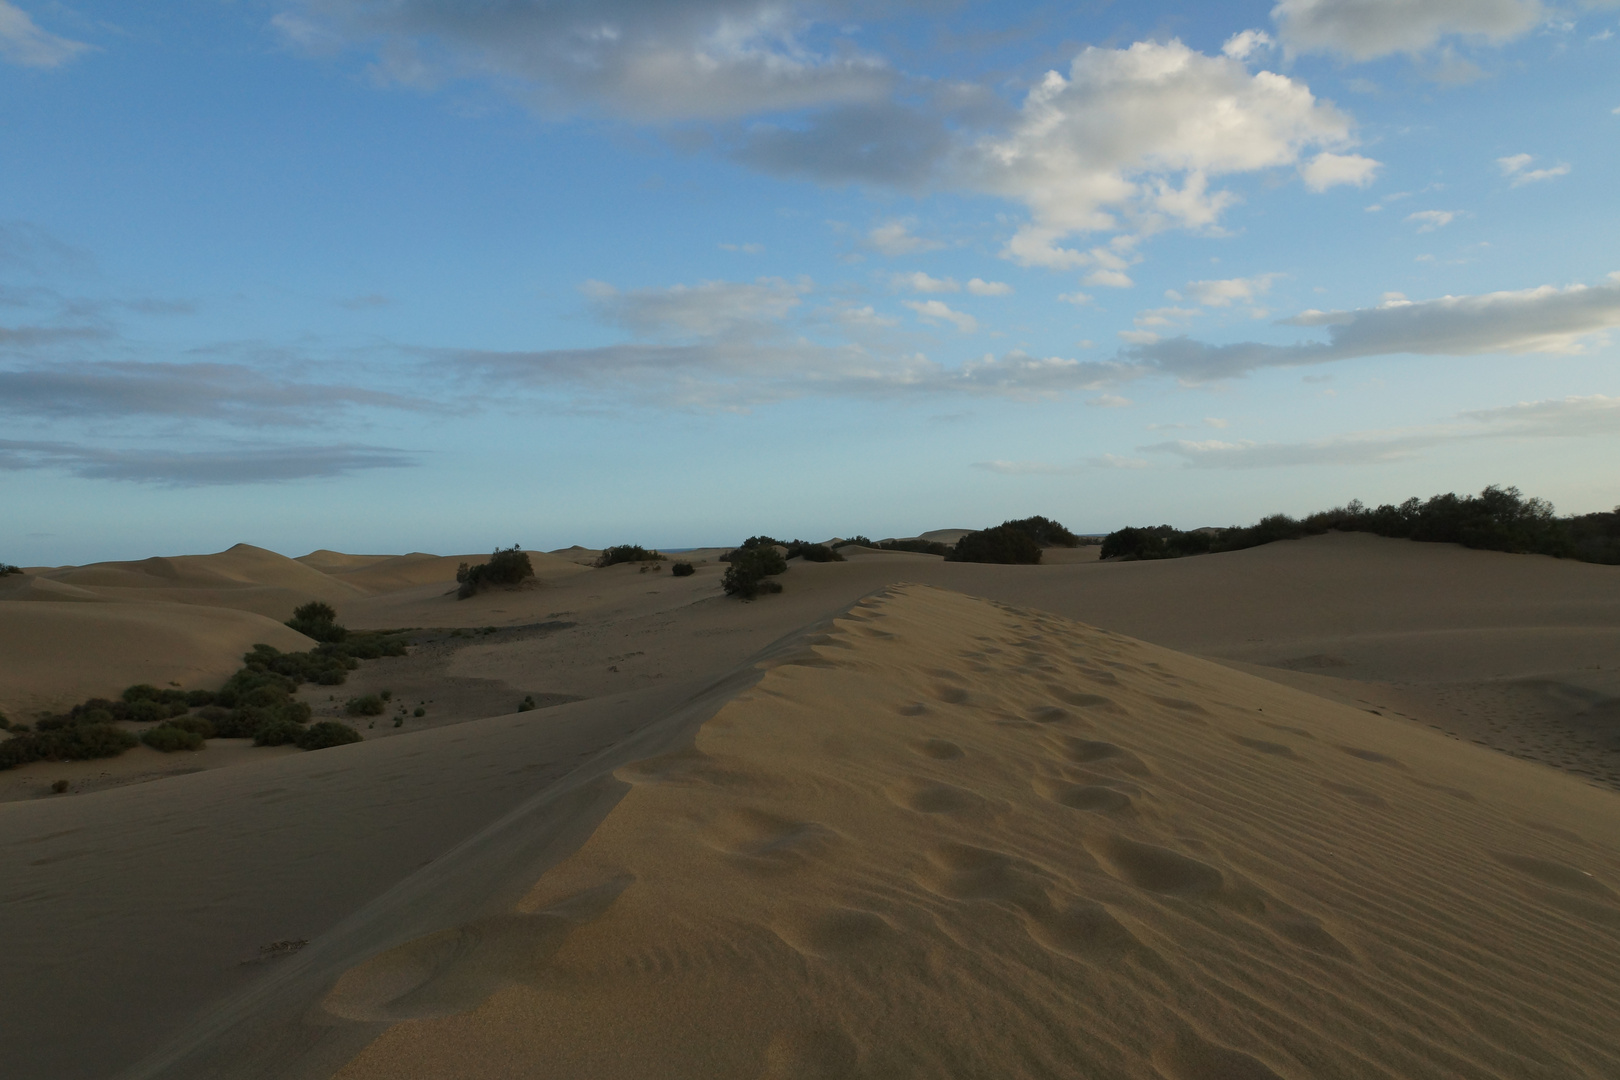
1595,537
244,722
168,739
800,549
419,711
507,566
863,541
6,569
278,733
73,742
682,569
527,704
365,705
921,547
750,570
1006,543
318,621
327,733
197,724
1045,532
626,553
5,722
59,787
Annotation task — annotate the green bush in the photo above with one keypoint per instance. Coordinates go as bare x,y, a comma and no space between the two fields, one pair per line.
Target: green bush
626,553
1006,543
318,621
75,742
1046,532
682,569
863,541
278,733
750,570
921,547
168,739
507,566
200,725
6,569
800,549
366,705
327,733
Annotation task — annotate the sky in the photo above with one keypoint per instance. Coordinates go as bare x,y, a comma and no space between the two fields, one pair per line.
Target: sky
392,275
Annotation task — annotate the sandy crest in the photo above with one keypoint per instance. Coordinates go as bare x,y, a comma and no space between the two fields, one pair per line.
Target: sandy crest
955,838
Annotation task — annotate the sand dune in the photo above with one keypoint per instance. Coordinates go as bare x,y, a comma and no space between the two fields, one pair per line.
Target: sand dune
951,838
58,654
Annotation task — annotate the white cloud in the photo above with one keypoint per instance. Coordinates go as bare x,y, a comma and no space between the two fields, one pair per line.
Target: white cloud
895,238
1114,461
1165,316
1364,29
1430,220
23,43
1079,299
1241,46
1138,337
1327,170
1542,320
1518,168
705,309
865,317
981,287
1573,417
1109,401
917,281
1024,468
1131,138
1226,291
937,311
743,249
642,59
1108,279
1216,422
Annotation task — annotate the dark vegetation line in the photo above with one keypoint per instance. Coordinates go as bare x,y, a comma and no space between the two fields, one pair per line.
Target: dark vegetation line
1497,519
255,703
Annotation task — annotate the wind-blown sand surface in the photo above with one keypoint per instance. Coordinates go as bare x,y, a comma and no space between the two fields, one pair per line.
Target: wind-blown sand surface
956,839
139,905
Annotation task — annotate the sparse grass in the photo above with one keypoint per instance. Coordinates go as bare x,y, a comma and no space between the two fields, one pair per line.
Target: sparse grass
506,567
626,553
682,569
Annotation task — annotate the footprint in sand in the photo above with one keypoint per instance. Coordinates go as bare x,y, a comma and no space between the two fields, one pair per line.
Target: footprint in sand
915,708
1094,797
1557,874
1081,929
938,749
1193,1058
1080,699
761,840
1264,747
836,933
1372,755
1157,869
932,797
1094,752
1191,710
951,695
964,872
1355,794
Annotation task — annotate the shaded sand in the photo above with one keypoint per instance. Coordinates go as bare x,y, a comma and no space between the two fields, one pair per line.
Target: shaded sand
953,838
58,654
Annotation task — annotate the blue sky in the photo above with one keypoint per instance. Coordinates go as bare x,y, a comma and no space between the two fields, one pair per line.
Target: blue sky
384,275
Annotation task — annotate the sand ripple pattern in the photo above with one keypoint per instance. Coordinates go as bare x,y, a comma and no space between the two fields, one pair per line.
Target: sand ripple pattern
990,842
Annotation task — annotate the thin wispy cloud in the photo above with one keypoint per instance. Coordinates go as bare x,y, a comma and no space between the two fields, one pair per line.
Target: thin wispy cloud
24,43
226,466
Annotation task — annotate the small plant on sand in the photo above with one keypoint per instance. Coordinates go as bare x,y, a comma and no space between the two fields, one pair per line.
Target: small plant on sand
857,539
751,570
506,567
365,705
682,569
419,711
627,553
527,704
319,621
327,733
60,786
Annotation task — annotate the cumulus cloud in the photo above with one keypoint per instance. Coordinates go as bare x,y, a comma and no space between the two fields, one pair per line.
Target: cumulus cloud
22,42
981,287
1517,168
917,281
1131,138
937,311
1327,170
1541,320
1571,417
1430,220
896,238
198,468
1165,316
1364,29
642,59
708,308
1226,291
1242,45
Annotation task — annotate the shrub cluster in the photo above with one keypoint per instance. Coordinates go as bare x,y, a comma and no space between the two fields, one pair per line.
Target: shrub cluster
800,549
507,566
255,703
318,621
626,553
751,569
7,569
682,569
921,547
1045,532
1497,519
863,541
1006,543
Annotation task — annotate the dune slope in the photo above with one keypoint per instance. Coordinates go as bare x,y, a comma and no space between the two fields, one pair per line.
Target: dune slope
956,838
